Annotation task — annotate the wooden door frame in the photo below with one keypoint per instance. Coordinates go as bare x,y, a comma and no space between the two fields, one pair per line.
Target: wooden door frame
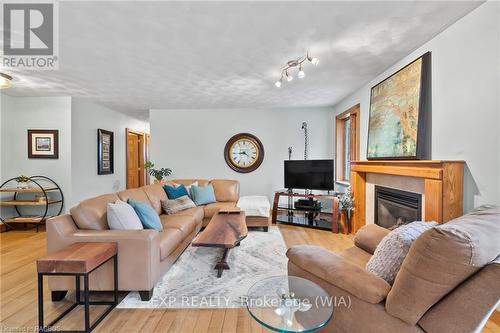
142,157
352,112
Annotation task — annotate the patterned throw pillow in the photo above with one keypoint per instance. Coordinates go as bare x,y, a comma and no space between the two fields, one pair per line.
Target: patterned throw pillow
392,250
176,205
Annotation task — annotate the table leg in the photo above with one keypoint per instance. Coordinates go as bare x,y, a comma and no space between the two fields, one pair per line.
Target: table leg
87,301
40,302
222,264
77,288
115,266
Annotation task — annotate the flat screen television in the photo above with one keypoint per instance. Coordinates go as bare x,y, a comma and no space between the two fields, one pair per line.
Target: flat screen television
309,174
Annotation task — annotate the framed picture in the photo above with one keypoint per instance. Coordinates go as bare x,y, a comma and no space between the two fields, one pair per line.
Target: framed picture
400,113
43,143
105,160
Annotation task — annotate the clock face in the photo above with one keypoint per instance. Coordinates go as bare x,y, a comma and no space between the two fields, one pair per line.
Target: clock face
244,152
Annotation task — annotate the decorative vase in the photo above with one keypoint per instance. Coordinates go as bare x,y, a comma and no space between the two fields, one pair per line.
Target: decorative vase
348,221
157,181
22,185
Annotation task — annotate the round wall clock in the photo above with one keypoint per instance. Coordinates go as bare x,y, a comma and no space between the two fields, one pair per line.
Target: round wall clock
244,152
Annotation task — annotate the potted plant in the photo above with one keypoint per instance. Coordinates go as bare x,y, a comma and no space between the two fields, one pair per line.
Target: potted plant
22,181
158,174
346,206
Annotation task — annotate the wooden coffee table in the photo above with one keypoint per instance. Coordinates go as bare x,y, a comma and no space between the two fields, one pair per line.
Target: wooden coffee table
225,230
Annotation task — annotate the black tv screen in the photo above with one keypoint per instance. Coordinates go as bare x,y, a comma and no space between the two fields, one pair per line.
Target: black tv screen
309,174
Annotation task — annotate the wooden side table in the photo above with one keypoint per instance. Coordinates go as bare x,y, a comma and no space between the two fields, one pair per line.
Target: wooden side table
79,260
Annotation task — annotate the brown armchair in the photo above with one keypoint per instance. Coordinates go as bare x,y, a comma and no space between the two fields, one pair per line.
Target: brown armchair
448,282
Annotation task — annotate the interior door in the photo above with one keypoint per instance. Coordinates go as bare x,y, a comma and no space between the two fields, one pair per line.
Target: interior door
133,169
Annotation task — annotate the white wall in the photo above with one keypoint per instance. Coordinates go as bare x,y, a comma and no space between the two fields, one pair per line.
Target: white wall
22,113
465,100
77,121
86,119
191,142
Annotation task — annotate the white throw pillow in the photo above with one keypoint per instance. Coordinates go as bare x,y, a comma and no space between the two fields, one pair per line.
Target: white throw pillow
121,216
188,187
392,250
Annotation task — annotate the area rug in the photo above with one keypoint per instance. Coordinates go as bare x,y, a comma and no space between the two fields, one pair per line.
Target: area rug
192,281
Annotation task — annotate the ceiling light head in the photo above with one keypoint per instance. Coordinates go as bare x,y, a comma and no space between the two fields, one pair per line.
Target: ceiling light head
301,72
278,83
5,81
288,77
314,61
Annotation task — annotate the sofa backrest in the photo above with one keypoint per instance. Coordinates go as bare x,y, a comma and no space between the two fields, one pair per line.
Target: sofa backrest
226,190
440,260
467,307
91,214
156,194
134,194
201,182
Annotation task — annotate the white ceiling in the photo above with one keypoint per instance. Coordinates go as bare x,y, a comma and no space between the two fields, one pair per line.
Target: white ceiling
136,56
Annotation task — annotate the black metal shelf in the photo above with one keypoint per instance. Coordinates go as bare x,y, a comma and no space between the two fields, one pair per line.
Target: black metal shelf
304,221
18,202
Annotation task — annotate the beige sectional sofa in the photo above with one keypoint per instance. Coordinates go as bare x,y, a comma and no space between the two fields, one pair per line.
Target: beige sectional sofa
144,256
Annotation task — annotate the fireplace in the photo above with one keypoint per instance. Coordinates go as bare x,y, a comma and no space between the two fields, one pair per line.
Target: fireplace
394,206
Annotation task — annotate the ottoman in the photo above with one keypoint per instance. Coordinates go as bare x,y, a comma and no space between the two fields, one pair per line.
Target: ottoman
257,210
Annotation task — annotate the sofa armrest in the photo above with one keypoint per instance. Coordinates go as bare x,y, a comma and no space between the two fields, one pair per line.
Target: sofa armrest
369,236
138,250
339,272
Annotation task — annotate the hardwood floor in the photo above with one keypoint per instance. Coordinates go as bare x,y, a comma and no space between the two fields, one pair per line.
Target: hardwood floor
18,293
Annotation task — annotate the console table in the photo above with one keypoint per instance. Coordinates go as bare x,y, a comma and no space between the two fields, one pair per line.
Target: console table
326,218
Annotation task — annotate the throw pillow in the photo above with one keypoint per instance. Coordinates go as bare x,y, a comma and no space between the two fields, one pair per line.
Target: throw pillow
147,215
121,216
177,205
203,195
392,250
175,192
188,187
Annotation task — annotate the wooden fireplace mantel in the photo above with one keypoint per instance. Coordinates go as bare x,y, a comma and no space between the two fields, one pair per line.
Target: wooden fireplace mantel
443,184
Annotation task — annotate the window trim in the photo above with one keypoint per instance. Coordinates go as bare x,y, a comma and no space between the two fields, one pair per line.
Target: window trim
354,114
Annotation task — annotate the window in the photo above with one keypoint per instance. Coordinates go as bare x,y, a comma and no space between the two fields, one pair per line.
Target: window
347,124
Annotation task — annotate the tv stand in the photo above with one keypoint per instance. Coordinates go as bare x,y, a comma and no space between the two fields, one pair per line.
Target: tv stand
325,218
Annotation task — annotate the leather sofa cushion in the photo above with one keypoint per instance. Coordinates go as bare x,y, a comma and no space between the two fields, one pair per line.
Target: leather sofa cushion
185,224
369,236
196,213
441,259
211,209
226,190
169,240
155,194
134,193
356,255
91,214
336,270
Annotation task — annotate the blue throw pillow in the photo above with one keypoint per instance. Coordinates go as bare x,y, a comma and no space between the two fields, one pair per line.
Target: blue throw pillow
147,215
202,195
174,193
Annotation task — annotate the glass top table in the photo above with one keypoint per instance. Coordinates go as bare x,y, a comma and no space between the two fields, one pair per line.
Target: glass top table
289,304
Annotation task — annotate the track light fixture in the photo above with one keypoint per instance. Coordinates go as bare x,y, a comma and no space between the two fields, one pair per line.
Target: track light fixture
285,74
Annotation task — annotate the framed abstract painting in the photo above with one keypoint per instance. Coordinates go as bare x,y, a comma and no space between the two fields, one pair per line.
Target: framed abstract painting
400,114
